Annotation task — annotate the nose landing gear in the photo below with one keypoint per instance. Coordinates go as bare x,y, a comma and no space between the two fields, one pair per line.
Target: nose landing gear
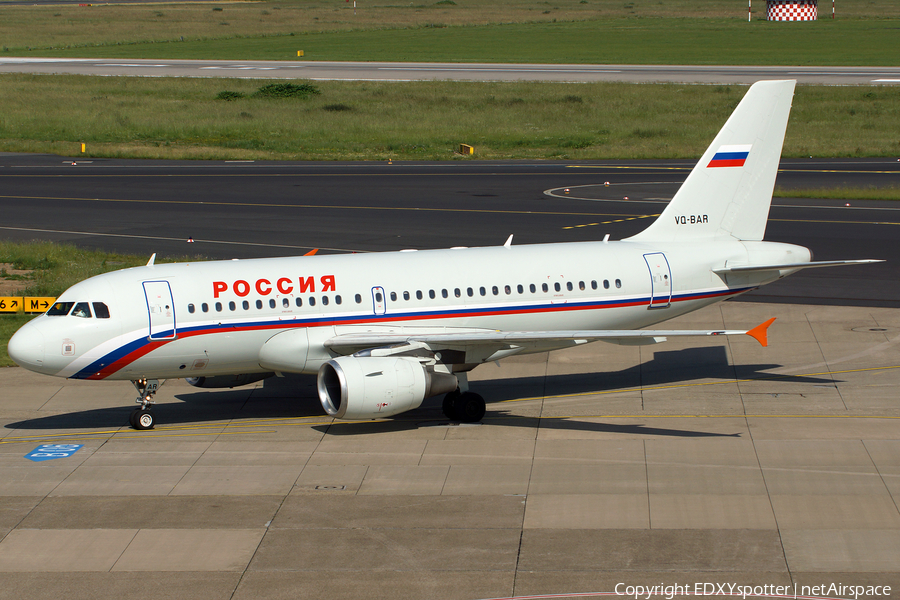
142,417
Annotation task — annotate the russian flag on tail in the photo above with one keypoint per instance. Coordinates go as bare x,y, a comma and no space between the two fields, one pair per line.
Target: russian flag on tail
730,156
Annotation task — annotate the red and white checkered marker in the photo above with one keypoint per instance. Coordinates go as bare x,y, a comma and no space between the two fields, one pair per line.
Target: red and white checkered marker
791,10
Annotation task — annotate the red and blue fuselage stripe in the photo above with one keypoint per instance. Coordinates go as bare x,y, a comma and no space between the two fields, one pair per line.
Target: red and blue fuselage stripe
134,350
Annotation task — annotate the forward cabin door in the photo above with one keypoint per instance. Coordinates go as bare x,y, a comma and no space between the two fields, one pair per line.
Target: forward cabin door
161,309
660,280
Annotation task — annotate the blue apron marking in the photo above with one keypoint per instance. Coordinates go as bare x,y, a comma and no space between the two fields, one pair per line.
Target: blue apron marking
52,451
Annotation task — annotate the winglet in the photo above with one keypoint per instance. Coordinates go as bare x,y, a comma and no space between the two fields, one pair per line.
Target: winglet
311,252
758,333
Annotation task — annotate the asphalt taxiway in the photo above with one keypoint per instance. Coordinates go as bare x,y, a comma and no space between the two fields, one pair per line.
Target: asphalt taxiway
257,209
716,461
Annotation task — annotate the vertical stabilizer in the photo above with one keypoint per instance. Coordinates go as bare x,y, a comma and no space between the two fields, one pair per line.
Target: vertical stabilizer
727,195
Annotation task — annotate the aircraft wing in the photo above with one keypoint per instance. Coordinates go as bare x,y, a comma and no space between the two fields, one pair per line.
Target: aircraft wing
494,344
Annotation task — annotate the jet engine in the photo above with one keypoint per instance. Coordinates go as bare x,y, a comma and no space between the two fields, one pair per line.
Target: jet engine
227,381
353,387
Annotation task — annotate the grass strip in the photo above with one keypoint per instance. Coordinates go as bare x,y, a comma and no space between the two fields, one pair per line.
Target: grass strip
177,118
840,193
565,31
650,41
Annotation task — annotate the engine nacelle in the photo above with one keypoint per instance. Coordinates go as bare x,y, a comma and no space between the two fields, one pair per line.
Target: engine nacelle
373,387
227,381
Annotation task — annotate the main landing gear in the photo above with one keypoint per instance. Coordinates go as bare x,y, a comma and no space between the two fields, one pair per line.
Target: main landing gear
142,417
465,407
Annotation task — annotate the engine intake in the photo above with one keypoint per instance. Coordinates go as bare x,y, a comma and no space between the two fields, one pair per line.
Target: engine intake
373,387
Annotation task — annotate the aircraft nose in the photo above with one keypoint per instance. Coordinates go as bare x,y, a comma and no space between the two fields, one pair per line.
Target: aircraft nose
26,348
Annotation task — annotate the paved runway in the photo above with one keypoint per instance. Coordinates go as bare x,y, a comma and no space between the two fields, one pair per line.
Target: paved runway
375,71
718,461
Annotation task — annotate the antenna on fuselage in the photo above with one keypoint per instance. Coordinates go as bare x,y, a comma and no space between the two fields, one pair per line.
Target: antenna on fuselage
152,260
508,243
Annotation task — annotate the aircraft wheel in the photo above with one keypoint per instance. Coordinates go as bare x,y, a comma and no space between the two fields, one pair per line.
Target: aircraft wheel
142,419
132,417
470,407
449,405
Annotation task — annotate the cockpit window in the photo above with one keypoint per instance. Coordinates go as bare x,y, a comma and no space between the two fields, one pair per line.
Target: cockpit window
83,310
101,311
60,309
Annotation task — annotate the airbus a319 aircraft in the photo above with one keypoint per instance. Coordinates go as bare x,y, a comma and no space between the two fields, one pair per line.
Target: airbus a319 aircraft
385,331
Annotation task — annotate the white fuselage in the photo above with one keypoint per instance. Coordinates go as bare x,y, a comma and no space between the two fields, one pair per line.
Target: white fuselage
212,318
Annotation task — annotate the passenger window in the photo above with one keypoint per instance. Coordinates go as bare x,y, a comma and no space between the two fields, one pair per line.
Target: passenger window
83,310
60,309
204,307
258,305
312,300
337,299
470,292
569,286
532,289
444,293
232,306
358,299
378,297
324,300
418,294
581,285
191,308
495,290
218,307
298,301
245,305
520,289
618,283
482,291
594,284
271,302
557,287
544,287
285,302
406,295
431,294
393,296
101,311
606,284
507,289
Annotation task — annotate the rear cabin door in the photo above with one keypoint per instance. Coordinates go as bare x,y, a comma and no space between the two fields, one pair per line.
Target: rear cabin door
660,280
161,310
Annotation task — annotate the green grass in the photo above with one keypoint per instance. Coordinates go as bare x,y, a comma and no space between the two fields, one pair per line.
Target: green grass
56,267
840,193
181,118
564,31
620,41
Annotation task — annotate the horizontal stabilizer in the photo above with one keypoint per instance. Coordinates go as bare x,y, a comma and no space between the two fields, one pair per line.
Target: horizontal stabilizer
794,266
